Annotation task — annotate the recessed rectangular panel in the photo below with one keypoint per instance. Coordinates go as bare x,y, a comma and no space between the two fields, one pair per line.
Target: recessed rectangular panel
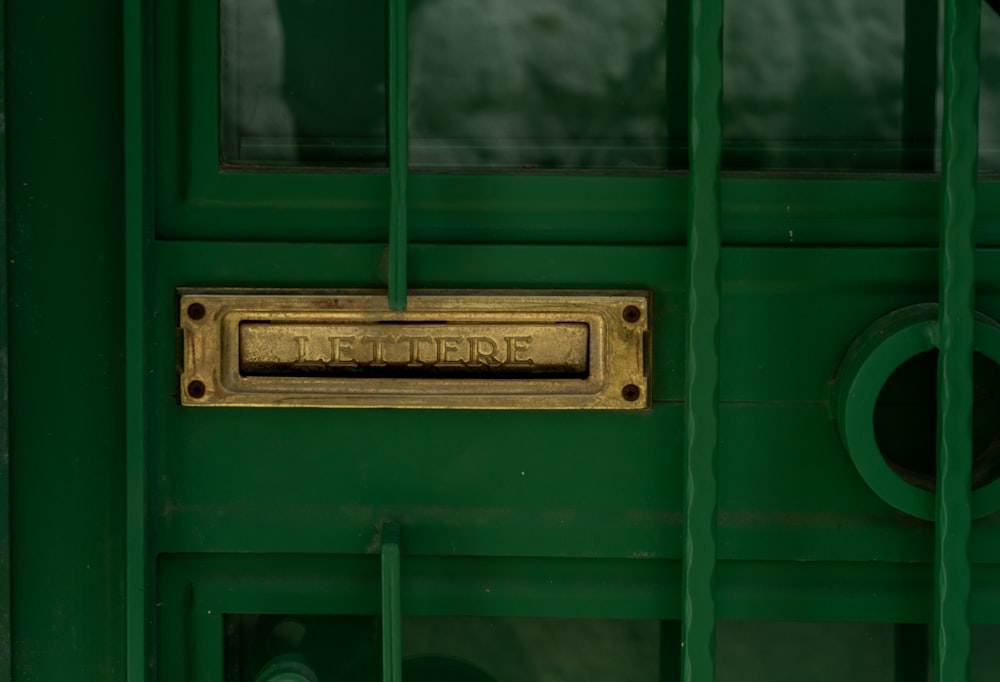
481,350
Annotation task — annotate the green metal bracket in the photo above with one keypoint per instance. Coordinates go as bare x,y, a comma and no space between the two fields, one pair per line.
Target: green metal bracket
392,617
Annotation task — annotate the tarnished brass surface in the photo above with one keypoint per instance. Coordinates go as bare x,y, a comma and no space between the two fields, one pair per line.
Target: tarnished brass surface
413,349
480,350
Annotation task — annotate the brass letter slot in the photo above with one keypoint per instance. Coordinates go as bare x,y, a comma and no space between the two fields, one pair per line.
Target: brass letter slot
405,350
486,350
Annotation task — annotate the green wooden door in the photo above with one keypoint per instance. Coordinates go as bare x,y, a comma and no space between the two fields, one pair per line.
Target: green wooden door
776,178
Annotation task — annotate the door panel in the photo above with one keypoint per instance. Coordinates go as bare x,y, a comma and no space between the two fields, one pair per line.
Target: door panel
165,542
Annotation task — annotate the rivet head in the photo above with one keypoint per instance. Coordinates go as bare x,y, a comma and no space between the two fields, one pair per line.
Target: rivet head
196,389
631,393
631,313
196,311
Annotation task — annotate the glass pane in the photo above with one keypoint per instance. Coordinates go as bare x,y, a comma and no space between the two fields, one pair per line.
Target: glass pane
460,649
346,648
538,649
820,85
989,99
984,661
524,84
303,82
818,652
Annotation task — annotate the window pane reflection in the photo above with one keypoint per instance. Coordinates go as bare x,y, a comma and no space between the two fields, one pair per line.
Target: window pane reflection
303,82
849,85
756,651
818,85
538,84
459,649
989,98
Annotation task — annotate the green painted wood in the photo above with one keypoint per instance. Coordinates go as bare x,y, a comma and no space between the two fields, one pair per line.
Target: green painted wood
64,182
782,308
957,304
561,515
506,209
701,414
874,592
399,166
139,573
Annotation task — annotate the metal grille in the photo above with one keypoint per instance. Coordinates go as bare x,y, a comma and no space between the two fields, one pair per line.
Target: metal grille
951,631
697,627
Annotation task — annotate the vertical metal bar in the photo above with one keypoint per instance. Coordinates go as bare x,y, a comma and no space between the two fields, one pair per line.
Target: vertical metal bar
392,615
398,151
5,636
911,652
957,295
702,378
919,85
136,226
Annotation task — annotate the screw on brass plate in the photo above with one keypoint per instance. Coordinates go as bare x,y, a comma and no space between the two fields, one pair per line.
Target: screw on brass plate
631,313
196,389
631,393
196,311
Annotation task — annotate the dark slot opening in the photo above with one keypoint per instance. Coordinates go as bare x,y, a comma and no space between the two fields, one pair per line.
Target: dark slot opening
905,421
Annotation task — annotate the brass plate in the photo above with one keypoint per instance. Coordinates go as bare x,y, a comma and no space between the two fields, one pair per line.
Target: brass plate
476,350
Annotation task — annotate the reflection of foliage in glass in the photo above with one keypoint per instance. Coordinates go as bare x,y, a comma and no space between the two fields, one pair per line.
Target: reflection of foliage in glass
813,85
335,64
303,80
544,83
583,84
989,99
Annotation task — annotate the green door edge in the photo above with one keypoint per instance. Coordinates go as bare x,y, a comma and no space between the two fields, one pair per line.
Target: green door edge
5,638
137,576
64,265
